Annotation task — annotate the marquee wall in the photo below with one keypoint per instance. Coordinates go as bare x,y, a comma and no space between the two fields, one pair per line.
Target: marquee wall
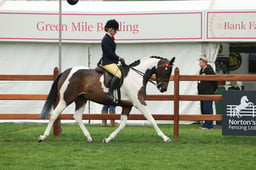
30,47
41,58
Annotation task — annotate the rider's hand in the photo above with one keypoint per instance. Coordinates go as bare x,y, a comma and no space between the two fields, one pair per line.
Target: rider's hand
121,59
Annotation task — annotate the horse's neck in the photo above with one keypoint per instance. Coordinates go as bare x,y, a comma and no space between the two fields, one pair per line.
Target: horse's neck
146,64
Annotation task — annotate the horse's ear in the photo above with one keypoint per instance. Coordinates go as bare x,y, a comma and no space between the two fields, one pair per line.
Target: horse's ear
172,61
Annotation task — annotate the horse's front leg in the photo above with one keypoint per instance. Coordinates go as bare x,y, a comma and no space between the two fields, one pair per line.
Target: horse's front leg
152,121
124,117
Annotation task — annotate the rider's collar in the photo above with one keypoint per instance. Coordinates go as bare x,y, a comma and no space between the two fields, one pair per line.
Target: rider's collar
108,34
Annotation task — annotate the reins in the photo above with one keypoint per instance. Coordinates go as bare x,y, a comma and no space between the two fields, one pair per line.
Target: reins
142,74
166,65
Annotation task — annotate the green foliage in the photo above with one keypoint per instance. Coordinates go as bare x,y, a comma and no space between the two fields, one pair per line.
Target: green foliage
136,147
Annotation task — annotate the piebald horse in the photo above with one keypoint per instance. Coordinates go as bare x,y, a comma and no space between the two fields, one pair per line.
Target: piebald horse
79,84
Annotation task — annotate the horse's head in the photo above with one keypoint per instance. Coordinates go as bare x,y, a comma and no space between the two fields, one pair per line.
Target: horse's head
163,73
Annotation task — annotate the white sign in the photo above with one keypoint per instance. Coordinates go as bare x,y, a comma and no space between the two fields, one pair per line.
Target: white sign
231,25
134,27
245,108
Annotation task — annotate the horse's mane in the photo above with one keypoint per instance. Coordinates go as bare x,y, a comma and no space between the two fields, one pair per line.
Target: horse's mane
158,57
137,62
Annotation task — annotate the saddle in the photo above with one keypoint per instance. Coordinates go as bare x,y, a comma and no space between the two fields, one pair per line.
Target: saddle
108,76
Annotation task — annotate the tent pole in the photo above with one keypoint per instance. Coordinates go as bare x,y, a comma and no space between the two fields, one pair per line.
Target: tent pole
89,103
57,124
60,34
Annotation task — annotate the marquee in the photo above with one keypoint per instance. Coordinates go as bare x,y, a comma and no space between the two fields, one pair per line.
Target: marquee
140,22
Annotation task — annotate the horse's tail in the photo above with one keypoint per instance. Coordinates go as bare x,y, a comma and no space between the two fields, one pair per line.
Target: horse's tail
51,99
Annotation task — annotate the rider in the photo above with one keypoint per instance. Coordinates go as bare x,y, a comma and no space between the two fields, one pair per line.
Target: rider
109,57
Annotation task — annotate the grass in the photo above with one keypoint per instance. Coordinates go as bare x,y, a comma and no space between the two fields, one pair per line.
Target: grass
136,147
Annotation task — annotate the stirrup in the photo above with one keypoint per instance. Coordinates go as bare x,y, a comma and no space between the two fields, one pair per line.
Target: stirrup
110,97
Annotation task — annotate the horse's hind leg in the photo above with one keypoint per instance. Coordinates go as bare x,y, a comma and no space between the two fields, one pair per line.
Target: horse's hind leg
80,105
124,117
56,112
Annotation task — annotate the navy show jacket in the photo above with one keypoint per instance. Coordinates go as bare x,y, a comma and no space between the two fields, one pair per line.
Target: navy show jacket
108,46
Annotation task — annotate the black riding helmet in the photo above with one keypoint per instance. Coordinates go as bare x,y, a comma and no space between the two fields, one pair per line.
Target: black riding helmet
72,2
112,24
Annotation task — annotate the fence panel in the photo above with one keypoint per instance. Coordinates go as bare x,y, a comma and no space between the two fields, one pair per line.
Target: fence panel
176,97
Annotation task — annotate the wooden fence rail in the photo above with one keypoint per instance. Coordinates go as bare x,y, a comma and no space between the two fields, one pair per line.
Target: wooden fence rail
176,97
177,78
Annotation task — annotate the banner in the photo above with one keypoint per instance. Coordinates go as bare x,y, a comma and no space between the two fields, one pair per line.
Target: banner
134,27
234,25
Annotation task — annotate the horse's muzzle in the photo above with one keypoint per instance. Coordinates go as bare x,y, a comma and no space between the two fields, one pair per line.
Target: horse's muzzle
162,87
163,90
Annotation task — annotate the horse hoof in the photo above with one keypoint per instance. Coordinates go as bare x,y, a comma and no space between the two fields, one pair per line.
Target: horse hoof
89,141
105,140
167,140
39,139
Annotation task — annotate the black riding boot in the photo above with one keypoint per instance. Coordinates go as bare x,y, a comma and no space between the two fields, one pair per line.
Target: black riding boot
113,85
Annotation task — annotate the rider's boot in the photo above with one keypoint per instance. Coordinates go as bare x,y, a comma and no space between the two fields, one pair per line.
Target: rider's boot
113,85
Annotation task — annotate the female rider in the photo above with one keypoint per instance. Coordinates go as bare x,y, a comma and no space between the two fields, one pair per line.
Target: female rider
109,57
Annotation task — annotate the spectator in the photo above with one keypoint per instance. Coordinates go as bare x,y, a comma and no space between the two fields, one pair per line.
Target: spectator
206,88
109,109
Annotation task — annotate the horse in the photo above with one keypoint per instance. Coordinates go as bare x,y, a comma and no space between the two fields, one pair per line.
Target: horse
244,103
79,84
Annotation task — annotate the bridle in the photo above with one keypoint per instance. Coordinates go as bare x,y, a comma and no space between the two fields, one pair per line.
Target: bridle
164,65
142,74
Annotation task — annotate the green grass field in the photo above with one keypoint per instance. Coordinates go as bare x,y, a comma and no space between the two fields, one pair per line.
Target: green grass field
136,147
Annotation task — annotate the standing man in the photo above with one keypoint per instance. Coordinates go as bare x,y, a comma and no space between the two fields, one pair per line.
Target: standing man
206,88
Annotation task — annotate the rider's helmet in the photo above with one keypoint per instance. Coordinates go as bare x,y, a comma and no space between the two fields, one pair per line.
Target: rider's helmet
112,24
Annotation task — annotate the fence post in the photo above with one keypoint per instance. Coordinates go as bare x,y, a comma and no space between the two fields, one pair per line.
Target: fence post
176,102
57,124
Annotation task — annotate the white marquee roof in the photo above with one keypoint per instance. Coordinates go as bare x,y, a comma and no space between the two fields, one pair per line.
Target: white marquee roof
127,6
